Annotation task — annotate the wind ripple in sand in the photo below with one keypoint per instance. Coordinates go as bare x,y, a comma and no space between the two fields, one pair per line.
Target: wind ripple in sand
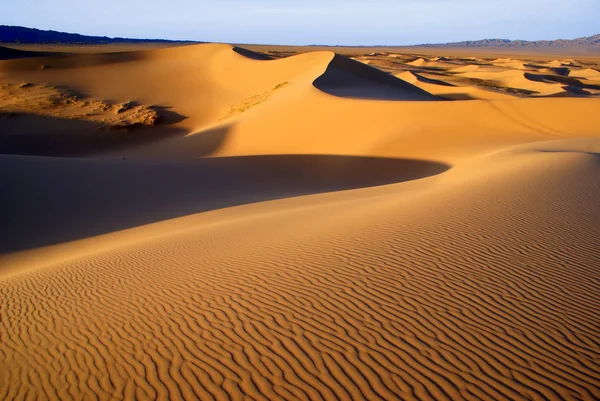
414,297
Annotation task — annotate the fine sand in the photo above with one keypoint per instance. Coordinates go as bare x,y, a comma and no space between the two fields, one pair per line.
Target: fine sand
207,222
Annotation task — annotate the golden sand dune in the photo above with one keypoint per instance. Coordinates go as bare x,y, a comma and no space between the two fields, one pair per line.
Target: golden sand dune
449,91
465,68
348,78
418,62
301,228
518,80
407,76
509,63
501,78
586,73
554,63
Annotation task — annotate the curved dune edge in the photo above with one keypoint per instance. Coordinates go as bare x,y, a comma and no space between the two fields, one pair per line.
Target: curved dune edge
345,77
338,297
91,197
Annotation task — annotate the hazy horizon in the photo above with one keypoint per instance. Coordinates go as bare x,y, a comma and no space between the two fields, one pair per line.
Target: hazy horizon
327,22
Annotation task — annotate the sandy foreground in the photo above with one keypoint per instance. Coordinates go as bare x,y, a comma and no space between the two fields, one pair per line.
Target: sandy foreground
206,222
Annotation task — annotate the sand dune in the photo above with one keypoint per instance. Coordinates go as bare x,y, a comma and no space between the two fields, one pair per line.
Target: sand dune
509,63
586,73
226,324
348,78
143,192
448,91
495,79
306,227
518,80
466,68
407,76
418,62
7,53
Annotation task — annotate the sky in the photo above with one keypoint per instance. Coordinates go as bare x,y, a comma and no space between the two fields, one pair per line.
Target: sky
306,22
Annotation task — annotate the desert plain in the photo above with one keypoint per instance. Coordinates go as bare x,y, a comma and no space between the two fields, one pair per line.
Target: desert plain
222,222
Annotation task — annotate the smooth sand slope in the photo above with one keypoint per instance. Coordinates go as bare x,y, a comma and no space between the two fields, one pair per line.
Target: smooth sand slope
302,228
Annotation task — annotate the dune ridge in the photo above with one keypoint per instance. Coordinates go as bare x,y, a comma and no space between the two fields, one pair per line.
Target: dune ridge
348,78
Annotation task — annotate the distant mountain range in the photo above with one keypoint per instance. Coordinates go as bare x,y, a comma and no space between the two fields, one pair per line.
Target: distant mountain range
19,34
590,41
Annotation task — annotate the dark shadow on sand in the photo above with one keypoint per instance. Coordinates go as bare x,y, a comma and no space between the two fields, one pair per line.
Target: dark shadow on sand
432,81
49,200
250,54
44,60
28,134
8,53
349,78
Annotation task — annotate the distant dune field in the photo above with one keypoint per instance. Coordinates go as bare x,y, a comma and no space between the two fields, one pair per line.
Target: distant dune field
216,223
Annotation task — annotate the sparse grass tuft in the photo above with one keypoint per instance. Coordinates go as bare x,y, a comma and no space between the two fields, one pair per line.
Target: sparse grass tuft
252,101
281,85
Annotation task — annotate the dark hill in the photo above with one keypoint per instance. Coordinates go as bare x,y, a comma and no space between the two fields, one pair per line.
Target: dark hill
19,34
588,42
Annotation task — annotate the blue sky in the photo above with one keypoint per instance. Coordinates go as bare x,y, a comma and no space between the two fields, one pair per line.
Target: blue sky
344,22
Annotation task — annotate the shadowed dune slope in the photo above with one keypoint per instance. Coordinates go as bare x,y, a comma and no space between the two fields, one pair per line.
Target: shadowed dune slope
7,53
250,54
349,78
24,134
88,197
